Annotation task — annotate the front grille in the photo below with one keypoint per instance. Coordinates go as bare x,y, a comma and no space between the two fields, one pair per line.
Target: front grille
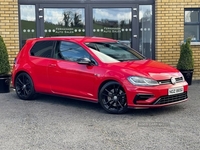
168,81
171,98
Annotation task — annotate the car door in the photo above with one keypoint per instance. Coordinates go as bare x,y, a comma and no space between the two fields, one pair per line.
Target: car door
66,76
40,58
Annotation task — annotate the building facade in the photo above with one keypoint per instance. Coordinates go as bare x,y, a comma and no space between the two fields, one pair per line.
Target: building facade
155,28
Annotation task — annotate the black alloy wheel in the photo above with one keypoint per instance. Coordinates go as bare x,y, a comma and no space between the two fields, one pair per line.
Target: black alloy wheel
24,87
112,98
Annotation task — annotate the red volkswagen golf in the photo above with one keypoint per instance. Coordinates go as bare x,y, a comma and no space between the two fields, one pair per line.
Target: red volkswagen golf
98,70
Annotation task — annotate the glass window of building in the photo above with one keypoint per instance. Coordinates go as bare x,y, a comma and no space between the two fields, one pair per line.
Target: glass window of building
113,23
145,30
192,24
27,22
64,21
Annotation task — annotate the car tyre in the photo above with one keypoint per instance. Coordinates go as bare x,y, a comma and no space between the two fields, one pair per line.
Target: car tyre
24,87
112,98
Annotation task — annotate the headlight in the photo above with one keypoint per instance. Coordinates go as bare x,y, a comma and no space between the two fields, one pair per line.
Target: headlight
142,81
182,76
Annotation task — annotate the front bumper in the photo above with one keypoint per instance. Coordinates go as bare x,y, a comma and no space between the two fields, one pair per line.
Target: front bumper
155,96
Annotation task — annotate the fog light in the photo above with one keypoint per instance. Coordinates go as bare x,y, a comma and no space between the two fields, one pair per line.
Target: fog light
141,97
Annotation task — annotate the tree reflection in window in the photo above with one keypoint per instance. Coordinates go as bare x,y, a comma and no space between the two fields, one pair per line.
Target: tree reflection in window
61,22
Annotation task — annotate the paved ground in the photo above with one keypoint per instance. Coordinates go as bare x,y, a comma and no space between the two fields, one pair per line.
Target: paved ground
51,123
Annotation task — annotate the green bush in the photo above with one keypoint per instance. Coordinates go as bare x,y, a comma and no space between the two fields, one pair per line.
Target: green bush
4,62
186,61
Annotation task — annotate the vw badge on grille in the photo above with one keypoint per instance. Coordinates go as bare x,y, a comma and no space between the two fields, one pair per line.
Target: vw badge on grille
173,80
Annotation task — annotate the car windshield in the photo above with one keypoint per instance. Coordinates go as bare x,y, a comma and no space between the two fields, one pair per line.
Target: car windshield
103,57
115,50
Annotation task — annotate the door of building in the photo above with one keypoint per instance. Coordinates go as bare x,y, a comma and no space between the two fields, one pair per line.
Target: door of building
115,21
129,23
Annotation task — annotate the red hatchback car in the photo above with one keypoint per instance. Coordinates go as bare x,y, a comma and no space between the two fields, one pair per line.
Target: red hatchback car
98,70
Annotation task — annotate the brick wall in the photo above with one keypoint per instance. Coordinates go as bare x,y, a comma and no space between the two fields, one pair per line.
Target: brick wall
169,26
9,27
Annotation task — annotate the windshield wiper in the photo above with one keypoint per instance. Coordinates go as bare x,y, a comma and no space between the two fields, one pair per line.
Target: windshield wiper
127,59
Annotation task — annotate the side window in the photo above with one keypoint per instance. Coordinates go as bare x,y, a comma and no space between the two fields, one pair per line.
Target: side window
70,51
42,49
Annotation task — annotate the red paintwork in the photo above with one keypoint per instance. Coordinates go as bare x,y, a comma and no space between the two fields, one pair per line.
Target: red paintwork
65,78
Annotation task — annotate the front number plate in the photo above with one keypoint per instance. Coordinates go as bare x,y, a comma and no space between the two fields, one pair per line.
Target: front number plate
177,90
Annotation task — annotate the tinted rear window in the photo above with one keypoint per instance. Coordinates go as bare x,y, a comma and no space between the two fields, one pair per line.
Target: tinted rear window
42,49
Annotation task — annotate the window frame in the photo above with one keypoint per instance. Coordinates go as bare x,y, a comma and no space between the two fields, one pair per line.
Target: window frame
192,23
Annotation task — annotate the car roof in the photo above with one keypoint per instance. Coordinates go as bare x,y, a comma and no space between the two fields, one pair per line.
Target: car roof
84,39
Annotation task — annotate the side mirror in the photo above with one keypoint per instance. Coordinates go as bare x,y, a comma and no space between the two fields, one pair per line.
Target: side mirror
85,61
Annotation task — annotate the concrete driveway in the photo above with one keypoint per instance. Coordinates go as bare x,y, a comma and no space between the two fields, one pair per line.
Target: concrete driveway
52,123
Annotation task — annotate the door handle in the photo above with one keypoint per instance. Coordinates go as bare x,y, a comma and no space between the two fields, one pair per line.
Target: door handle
52,65
135,36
